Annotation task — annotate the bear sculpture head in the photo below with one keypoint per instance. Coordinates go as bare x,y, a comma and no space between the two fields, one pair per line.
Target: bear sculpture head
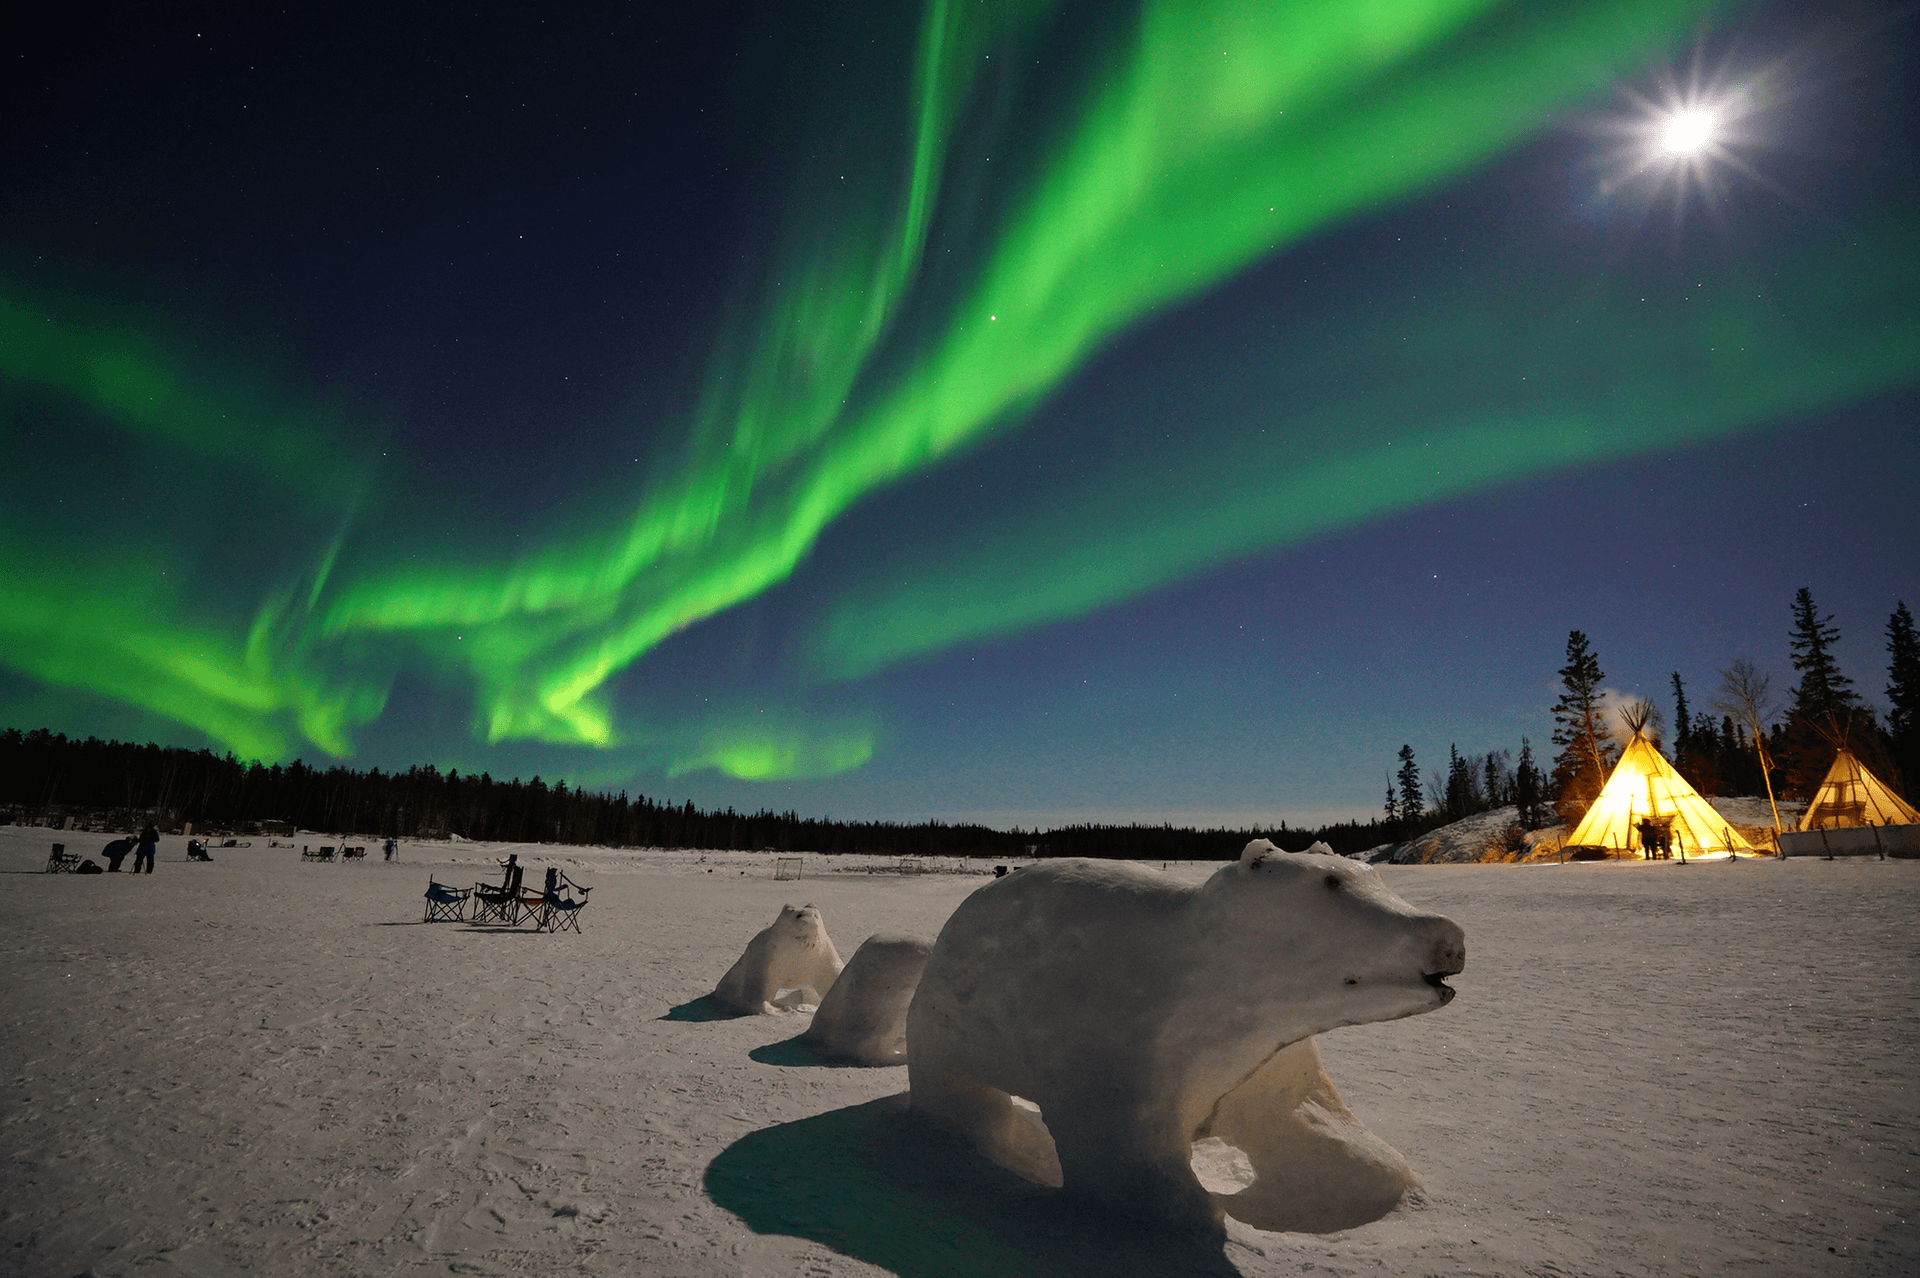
1352,950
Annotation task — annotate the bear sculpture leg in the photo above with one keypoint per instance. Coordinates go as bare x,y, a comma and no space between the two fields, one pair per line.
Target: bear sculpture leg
1139,1171
1316,1168
990,1120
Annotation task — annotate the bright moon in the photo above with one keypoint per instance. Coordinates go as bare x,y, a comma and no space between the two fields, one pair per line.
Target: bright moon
1687,132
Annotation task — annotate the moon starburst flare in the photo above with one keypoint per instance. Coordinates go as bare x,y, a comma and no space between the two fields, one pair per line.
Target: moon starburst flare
1689,131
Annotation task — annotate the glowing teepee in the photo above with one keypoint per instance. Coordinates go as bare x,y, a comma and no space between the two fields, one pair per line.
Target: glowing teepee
1644,785
1852,796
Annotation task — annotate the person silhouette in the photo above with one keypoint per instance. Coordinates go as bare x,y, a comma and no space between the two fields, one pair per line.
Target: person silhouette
149,844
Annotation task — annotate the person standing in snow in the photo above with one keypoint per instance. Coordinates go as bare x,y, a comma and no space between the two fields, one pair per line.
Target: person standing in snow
149,844
1649,840
391,848
116,852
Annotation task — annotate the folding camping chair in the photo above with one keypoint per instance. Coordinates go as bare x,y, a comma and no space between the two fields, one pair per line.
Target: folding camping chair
61,861
494,904
445,904
500,903
558,908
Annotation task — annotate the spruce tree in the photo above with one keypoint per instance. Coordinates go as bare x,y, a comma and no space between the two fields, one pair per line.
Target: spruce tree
1704,765
1823,693
1824,703
1580,769
1903,695
1459,785
1526,787
1498,786
1412,806
1682,724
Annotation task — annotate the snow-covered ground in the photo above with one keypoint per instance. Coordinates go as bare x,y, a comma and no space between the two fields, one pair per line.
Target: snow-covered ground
271,1067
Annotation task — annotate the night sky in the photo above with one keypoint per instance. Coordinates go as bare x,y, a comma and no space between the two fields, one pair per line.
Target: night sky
1009,411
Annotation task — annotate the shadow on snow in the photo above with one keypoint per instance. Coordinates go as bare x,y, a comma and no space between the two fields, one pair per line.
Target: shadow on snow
704,1008
875,1183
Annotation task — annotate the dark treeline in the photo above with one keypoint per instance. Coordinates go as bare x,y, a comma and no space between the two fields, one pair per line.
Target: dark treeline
1174,843
117,785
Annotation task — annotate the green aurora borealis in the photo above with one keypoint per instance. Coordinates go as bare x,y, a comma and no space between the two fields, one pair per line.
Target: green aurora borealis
963,235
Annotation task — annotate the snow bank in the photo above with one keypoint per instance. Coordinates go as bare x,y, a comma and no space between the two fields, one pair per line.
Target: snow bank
1482,837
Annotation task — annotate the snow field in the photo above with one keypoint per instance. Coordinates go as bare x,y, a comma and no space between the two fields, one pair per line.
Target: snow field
268,1067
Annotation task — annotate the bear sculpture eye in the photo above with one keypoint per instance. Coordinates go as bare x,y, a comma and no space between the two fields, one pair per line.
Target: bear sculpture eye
1333,883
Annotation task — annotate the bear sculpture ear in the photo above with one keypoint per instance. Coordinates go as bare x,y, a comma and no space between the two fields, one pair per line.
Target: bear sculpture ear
1257,851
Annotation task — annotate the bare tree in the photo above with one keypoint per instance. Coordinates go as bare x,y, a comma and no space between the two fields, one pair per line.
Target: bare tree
1746,694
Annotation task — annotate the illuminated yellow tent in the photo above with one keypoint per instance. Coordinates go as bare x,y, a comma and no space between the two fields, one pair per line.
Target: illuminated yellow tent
1852,796
1643,785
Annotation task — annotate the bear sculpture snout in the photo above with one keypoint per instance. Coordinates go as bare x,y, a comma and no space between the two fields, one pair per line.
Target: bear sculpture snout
1445,957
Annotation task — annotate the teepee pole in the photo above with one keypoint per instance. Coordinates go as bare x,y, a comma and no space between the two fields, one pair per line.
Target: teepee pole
1766,774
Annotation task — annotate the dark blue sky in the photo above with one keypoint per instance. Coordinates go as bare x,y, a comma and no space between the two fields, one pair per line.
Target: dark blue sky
602,394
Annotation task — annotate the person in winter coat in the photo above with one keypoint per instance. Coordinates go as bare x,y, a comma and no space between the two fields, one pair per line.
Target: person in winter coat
149,844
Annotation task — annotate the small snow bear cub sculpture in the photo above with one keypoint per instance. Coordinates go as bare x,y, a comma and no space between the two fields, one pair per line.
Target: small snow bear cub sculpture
1142,1015
790,964
863,1018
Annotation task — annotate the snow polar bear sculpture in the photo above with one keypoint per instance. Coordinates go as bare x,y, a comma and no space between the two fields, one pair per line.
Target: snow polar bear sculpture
863,1018
1142,1015
789,964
